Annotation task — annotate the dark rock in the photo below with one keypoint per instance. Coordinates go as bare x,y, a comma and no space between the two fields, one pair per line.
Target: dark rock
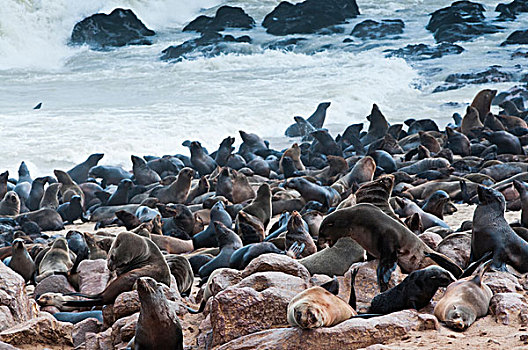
370,29
509,12
210,44
285,45
119,28
490,75
461,21
425,52
309,16
225,17
519,37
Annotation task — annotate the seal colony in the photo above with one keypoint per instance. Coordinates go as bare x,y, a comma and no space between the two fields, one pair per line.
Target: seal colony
363,203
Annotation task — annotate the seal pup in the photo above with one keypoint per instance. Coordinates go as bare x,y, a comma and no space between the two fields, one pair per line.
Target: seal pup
464,301
384,238
131,256
142,173
315,307
10,205
79,173
50,199
158,325
56,261
21,262
69,188
491,232
71,210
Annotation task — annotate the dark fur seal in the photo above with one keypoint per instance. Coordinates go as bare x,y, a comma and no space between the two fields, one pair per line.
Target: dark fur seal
177,191
131,257
47,219
111,175
142,173
72,210
491,233
10,205
69,188
260,207
79,173
316,120
228,241
378,126
21,262
325,195
207,238
384,238
182,271
522,188
200,160
36,193
120,196
506,142
249,228
298,232
243,256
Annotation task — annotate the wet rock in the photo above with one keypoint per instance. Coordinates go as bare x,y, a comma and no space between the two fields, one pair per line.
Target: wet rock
276,262
54,284
519,37
257,303
370,29
286,45
93,276
509,12
210,44
490,75
509,308
350,334
425,52
15,305
516,94
225,17
456,246
431,239
309,16
462,21
41,330
502,282
119,28
90,325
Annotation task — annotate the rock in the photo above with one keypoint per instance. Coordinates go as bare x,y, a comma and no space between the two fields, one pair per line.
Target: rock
366,285
126,304
370,29
224,279
502,282
90,325
462,21
491,75
431,239
516,94
225,17
54,284
519,37
286,44
5,346
124,329
276,262
509,308
425,52
99,341
15,305
119,28
41,330
93,276
456,246
509,12
257,303
309,16
210,44
350,334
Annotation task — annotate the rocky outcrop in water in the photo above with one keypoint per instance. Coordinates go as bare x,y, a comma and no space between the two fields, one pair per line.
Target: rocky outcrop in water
426,52
225,17
509,12
370,29
519,37
120,28
490,75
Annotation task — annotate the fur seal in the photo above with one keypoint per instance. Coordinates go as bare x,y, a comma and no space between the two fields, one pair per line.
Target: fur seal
378,126
522,188
414,292
482,102
4,177
76,317
298,232
471,121
316,307
316,120
79,173
384,238
21,262
491,232
158,325
506,143
182,271
294,152
72,210
249,228
36,193
326,195
207,238
200,160
68,188
23,174
120,196
201,188
10,205
260,207
142,173
224,151
458,143
56,261
363,171
241,258
47,219
228,241
408,208
464,301
177,191
111,175
50,199
378,192
435,204
242,190
131,257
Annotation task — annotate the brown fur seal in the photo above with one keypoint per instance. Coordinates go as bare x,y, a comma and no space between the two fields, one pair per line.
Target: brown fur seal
249,228
294,152
363,171
201,188
142,173
384,238
55,299
177,191
10,205
21,262
378,192
492,233
522,188
56,261
297,232
131,257
316,307
228,241
47,219
261,205
471,121
429,142
182,271
50,199
69,187
242,190
482,102
378,126
158,325
464,301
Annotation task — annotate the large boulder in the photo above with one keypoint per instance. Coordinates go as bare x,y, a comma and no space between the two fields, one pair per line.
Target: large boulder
518,37
350,334
492,74
54,284
510,308
15,305
462,21
210,44
93,276
90,325
278,263
309,16
121,27
370,29
225,17
502,282
37,331
425,52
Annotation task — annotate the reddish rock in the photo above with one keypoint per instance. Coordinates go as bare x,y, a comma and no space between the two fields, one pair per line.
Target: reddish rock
126,304
90,325
53,284
124,329
276,262
99,341
431,239
15,305
222,279
502,282
456,246
350,334
93,276
509,308
44,329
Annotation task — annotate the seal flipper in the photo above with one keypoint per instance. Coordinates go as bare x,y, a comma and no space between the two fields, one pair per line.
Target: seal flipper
446,263
474,265
478,277
498,263
387,264
331,286
352,299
